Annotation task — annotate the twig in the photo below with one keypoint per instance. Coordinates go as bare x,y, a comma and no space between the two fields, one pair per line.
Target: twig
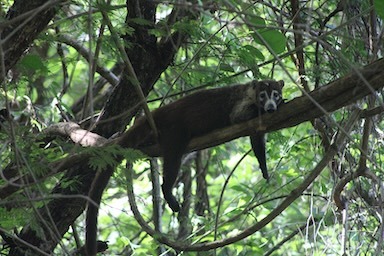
289,237
131,72
85,53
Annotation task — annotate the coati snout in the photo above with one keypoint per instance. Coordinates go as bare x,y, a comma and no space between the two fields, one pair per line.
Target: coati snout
198,114
270,101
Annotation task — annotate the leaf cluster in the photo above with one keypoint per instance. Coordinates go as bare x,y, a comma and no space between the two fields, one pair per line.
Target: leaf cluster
73,71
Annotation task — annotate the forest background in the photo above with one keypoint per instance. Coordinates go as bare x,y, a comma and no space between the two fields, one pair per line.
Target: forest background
74,74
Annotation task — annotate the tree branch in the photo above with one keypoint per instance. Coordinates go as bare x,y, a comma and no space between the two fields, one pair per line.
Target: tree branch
76,134
331,97
84,52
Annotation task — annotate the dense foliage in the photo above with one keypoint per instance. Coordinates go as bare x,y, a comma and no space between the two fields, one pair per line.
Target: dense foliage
83,67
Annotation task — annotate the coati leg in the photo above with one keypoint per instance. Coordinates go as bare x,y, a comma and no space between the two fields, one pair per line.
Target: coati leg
173,150
258,146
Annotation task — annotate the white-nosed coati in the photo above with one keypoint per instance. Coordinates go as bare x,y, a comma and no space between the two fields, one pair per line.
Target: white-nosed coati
200,113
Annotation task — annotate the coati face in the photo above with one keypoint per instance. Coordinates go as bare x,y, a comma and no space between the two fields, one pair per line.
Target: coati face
269,95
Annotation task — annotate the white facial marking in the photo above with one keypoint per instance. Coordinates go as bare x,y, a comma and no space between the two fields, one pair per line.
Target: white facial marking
276,96
263,95
270,102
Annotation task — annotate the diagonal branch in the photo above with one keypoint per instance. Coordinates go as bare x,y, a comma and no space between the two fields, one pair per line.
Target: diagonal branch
331,97
85,53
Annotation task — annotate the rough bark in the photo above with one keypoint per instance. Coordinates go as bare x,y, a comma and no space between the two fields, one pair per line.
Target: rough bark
149,57
24,22
337,94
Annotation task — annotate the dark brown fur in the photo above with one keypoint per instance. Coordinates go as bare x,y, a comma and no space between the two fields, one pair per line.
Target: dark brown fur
197,114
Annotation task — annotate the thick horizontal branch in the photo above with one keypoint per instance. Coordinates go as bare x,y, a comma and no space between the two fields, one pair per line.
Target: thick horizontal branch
330,97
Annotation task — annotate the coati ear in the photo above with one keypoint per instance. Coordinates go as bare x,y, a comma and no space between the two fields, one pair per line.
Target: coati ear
281,83
255,84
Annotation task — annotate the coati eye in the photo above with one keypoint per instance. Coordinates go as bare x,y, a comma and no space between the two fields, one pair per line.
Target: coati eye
262,96
275,95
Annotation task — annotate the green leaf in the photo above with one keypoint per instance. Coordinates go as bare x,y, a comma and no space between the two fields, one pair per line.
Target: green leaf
246,58
33,62
226,67
379,8
256,21
248,55
273,38
186,26
12,218
104,157
140,21
157,32
253,51
241,188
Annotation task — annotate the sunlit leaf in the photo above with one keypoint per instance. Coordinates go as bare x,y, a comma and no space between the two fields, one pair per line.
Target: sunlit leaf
274,39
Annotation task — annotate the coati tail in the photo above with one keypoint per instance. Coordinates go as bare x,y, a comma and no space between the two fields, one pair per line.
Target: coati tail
258,146
173,143
171,168
171,199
